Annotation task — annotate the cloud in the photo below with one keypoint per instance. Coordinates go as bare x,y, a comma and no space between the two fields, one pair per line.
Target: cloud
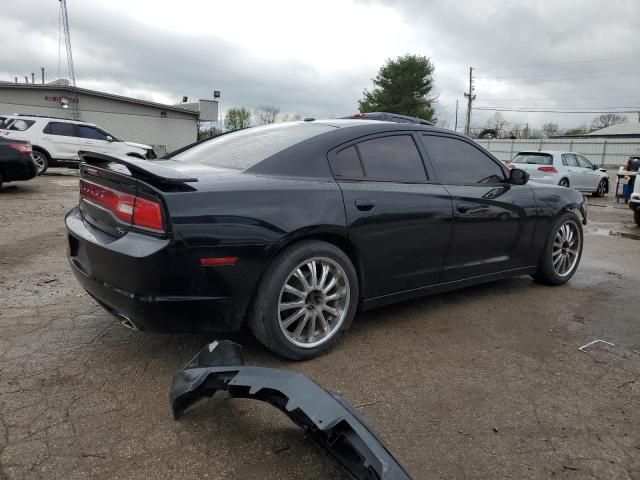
316,59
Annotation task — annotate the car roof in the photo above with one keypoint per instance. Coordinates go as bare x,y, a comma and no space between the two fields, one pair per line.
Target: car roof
44,117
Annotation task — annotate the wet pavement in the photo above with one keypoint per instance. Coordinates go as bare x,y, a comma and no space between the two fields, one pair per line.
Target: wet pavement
483,383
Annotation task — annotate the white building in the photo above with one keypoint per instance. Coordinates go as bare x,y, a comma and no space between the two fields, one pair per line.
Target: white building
165,127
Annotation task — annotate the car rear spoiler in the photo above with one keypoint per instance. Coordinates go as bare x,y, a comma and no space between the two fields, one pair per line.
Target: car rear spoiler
147,168
327,418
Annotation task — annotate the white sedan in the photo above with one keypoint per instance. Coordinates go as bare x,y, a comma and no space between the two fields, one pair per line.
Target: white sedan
567,169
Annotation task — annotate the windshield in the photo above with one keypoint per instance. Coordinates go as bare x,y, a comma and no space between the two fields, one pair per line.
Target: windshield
244,148
534,158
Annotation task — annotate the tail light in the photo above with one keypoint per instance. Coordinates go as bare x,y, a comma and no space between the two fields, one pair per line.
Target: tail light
546,169
24,148
139,211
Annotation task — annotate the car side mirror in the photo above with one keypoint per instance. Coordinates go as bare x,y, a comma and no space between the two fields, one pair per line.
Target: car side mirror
518,176
109,138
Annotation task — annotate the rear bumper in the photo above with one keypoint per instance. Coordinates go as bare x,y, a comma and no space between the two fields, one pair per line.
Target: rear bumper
22,168
154,285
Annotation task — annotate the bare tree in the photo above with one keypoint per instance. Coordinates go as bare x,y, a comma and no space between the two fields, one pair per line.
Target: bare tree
266,114
237,118
550,129
497,122
606,120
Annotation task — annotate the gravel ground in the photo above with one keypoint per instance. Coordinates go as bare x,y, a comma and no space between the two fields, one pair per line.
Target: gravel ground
483,383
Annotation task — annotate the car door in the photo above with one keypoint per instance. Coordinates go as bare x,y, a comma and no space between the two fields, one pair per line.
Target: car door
590,178
94,139
399,220
573,170
61,140
493,220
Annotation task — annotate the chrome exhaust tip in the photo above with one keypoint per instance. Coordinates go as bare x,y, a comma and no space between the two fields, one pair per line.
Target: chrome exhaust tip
126,322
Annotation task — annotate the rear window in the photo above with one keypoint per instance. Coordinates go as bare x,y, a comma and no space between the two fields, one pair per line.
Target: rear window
534,158
15,124
245,148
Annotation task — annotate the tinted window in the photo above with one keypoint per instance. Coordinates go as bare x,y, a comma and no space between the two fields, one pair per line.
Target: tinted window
534,158
59,128
346,163
583,162
459,162
16,124
569,160
244,148
394,158
91,132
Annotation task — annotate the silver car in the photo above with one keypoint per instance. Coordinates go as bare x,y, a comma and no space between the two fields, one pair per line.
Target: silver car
567,169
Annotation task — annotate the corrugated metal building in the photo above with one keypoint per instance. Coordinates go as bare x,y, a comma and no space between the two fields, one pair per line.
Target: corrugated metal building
166,127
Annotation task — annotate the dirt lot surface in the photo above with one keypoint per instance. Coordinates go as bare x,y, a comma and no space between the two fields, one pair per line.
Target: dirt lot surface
483,383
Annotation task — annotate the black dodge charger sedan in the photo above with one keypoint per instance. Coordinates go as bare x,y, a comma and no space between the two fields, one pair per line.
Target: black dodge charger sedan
293,227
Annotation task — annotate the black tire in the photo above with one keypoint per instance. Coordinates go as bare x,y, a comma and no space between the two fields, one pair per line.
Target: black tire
42,159
601,190
264,315
546,272
636,215
1,180
564,182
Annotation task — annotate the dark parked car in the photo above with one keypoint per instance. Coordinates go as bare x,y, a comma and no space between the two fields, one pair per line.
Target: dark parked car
16,162
293,227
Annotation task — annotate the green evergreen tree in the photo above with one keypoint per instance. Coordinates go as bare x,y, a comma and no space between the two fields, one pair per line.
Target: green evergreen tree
403,86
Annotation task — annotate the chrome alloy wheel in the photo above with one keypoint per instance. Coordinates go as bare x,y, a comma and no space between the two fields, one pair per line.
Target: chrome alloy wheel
39,160
566,247
313,302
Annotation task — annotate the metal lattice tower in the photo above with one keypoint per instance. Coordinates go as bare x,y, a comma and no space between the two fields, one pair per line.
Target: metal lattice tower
72,73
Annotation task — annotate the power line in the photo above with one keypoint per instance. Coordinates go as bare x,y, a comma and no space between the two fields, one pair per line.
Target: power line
571,74
560,98
556,107
561,63
559,79
552,111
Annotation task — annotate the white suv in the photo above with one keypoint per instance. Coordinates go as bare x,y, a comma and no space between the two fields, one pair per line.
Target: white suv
56,141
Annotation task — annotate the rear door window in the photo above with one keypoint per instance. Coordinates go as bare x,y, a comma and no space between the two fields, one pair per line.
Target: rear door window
569,160
460,163
346,163
534,158
393,158
60,128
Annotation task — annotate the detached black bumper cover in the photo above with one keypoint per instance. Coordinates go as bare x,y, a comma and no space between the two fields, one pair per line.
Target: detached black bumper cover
330,420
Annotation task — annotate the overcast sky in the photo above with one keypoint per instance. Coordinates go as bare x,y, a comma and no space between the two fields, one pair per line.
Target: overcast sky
315,58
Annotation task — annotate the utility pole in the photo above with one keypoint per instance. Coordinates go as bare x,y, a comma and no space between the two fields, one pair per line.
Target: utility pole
455,129
42,71
470,98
